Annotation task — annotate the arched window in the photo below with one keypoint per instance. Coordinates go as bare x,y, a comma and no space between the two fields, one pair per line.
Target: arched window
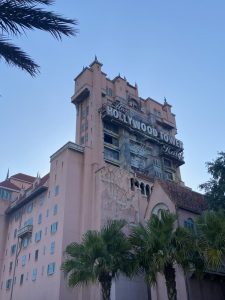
142,186
147,188
136,183
132,184
157,209
189,223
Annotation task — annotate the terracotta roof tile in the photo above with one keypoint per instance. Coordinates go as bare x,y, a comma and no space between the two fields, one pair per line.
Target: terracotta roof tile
24,177
184,197
9,185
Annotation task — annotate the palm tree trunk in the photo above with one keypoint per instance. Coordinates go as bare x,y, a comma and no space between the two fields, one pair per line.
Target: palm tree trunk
169,273
106,289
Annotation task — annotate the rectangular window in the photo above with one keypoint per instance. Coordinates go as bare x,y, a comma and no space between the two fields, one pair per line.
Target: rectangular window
13,249
51,269
39,218
17,216
47,212
28,222
169,176
23,260
56,190
25,242
52,248
54,227
111,127
167,163
41,200
111,154
34,274
82,140
109,92
5,195
10,267
15,233
137,161
38,236
36,255
21,279
111,140
30,208
8,284
55,209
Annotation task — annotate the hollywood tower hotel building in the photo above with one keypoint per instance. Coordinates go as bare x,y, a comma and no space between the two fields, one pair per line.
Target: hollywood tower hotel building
124,165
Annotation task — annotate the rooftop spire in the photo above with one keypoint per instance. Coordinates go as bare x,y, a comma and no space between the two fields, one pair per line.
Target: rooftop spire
7,175
96,61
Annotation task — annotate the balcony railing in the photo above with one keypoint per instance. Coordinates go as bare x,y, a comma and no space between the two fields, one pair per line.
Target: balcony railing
24,231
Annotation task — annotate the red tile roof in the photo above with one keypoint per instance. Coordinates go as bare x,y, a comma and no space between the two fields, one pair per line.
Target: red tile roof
29,194
184,197
24,177
9,185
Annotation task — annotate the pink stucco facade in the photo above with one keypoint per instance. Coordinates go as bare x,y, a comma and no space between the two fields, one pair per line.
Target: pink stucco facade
124,165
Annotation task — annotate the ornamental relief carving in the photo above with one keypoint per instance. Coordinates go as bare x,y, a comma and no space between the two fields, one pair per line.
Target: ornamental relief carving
118,201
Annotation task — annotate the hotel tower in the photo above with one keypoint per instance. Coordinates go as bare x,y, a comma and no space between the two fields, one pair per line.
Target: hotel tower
124,164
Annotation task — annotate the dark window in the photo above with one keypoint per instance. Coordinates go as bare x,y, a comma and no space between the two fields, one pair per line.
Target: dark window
36,255
8,284
167,163
10,266
132,184
136,183
21,279
13,249
111,127
142,186
147,190
111,140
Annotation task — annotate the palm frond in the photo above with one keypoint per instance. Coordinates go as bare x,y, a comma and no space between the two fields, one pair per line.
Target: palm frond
15,18
29,2
13,55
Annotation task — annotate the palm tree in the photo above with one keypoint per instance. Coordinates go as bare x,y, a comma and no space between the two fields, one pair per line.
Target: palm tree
16,16
210,230
100,257
159,246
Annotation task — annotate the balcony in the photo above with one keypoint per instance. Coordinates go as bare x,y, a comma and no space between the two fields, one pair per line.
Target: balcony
25,231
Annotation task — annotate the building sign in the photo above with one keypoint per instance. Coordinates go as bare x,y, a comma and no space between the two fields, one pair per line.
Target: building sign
171,151
142,126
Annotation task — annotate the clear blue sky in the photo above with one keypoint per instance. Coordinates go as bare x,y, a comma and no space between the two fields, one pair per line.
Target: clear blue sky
174,49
